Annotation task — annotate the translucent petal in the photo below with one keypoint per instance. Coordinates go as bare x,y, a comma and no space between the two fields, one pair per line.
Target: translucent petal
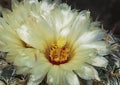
40,27
8,37
99,61
58,76
54,76
31,1
80,25
40,69
9,40
23,70
46,7
72,78
71,65
87,72
26,57
10,58
39,73
24,60
14,19
30,37
91,36
62,17
101,46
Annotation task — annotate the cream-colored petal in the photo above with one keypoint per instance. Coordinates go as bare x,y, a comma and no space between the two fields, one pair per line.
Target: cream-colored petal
72,78
98,61
100,46
9,40
71,65
26,57
40,69
82,51
13,19
47,21
2,47
55,76
24,60
8,34
11,48
23,70
80,25
33,83
58,76
62,16
46,7
10,58
38,74
30,37
87,72
91,36
40,27
60,19
31,1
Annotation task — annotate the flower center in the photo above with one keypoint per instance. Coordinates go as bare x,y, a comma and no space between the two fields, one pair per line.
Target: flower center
59,53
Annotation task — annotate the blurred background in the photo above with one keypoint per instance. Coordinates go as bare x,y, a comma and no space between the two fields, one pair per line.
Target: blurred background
105,11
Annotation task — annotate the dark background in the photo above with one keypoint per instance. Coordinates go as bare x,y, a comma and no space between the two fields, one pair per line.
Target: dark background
105,11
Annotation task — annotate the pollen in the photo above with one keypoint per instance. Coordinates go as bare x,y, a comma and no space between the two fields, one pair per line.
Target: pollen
59,53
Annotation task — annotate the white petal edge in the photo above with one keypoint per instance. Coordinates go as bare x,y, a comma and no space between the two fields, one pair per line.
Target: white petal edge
72,78
87,72
91,36
99,61
38,73
25,58
80,25
56,76
100,46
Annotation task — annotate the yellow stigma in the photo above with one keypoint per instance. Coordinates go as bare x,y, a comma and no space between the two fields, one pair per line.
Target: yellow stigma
59,53
61,42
